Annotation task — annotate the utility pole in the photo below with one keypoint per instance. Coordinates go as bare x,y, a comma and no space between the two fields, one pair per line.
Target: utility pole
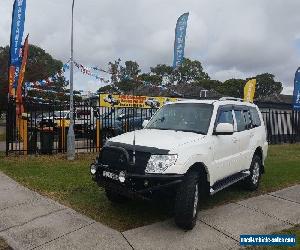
71,135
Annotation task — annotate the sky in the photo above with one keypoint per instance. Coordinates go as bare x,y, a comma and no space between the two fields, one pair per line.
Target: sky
232,38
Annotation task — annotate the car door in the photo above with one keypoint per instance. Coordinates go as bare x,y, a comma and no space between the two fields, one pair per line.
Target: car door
225,147
243,126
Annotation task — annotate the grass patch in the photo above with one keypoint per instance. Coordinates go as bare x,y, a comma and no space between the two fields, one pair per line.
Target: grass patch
294,230
70,184
4,245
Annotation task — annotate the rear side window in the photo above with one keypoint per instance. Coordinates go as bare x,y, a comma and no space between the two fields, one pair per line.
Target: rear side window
247,119
225,116
240,120
255,117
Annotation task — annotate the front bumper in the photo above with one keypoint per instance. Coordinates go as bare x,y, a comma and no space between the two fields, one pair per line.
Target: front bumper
136,185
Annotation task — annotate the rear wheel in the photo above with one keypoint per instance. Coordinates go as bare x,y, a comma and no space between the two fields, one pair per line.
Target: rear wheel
187,201
252,181
115,197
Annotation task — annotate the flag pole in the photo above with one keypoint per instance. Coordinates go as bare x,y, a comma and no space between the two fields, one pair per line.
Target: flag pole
71,135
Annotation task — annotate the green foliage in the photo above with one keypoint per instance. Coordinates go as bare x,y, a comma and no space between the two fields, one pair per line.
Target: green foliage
130,71
209,84
189,71
40,66
232,87
148,78
267,86
162,72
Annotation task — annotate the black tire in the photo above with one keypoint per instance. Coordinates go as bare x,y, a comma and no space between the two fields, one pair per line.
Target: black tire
187,201
252,181
115,197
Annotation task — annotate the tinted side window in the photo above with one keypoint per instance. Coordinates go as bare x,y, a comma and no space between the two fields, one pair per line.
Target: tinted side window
247,119
225,116
255,117
240,120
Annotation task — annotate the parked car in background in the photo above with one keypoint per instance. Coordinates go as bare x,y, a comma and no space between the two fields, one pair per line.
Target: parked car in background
152,102
111,100
121,120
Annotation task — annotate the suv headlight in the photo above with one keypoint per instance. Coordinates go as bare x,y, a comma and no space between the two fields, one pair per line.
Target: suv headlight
159,163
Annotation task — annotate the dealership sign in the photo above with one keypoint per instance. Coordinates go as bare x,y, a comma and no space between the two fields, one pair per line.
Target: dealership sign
124,101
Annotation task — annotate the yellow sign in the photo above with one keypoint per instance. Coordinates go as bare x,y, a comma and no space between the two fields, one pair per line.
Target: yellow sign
123,101
62,122
249,90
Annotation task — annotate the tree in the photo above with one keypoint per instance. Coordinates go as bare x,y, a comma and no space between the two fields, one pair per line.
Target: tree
3,77
189,71
114,69
149,79
232,87
162,72
209,84
267,86
40,66
123,78
130,71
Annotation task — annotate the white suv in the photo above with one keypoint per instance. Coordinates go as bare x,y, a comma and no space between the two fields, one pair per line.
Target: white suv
193,148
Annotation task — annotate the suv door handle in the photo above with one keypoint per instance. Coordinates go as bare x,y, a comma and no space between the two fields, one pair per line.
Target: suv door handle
235,140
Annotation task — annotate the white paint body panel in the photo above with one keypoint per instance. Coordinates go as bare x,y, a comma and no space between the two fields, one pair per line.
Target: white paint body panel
223,155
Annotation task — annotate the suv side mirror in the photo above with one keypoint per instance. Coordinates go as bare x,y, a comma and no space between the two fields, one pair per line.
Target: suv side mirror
145,122
224,129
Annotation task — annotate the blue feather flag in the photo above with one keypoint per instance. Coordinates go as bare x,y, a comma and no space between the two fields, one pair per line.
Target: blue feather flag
179,43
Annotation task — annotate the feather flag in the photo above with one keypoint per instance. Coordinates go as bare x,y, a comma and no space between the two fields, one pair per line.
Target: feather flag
17,29
179,43
296,94
249,90
23,69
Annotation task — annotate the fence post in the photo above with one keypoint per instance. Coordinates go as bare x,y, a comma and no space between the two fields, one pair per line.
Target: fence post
25,135
98,134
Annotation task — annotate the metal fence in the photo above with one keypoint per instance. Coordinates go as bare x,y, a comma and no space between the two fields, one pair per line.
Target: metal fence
44,128
283,126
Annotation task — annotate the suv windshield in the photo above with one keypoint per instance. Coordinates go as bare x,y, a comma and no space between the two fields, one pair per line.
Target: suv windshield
188,117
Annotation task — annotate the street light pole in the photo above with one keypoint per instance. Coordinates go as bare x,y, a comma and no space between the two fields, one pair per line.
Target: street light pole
71,135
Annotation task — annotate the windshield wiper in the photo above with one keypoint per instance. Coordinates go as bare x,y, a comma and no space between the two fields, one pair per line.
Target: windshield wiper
193,131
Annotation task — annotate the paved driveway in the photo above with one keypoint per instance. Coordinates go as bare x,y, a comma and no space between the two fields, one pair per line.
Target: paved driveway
31,221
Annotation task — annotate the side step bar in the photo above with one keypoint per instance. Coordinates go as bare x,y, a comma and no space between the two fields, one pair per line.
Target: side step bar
226,182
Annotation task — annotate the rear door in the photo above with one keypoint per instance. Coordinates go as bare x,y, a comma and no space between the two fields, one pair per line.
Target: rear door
225,147
243,135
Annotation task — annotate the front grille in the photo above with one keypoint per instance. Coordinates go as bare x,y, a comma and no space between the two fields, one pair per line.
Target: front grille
141,160
114,158
117,158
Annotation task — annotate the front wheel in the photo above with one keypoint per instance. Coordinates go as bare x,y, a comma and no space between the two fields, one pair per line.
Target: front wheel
187,201
252,181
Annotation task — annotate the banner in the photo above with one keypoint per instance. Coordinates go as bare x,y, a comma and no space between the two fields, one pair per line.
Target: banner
179,43
249,90
126,101
17,29
296,95
22,73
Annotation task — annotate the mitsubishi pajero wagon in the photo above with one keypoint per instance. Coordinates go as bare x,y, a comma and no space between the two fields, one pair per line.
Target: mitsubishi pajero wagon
193,148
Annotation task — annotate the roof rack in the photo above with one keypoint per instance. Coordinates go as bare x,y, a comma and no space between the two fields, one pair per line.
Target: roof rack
231,99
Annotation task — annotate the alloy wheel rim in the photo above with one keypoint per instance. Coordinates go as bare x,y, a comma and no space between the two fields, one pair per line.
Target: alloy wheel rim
255,173
195,200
